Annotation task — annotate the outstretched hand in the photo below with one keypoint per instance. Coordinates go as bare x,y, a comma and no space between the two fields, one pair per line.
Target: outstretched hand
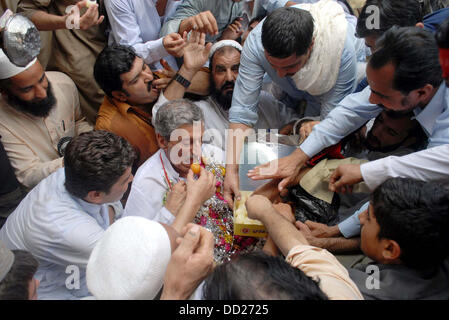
196,52
343,179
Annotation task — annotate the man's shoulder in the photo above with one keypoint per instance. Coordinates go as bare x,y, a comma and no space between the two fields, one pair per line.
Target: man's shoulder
59,78
106,114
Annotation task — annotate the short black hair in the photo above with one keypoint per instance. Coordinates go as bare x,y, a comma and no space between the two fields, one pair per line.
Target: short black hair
111,63
287,31
442,35
414,53
15,285
95,161
258,276
403,13
415,214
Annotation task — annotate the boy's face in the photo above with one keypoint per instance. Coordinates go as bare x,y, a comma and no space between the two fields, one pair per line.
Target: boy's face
370,244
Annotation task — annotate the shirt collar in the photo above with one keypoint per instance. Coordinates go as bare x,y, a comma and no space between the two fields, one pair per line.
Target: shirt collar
428,116
171,172
91,208
122,107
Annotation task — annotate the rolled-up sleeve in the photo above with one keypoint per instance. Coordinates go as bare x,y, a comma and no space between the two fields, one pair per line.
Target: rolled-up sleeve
319,264
126,31
351,113
247,89
426,165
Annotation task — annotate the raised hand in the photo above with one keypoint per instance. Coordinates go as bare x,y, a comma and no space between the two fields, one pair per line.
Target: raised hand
233,31
196,52
288,169
203,22
174,44
91,17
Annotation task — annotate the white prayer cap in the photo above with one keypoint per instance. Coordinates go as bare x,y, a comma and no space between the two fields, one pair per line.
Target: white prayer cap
129,261
9,69
224,43
6,260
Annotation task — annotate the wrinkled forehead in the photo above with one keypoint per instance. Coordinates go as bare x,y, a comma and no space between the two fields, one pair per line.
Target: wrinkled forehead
226,55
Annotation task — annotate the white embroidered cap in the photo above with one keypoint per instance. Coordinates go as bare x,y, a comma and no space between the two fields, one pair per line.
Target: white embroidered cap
129,261
224,43
9,69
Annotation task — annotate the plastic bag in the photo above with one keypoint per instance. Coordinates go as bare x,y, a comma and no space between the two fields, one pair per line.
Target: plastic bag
307,207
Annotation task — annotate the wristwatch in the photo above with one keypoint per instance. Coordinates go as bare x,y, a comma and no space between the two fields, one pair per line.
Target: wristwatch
183,81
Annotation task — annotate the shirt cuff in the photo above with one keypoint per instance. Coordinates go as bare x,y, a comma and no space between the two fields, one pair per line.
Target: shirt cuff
373,172
166,216
311,146
156,51
351,226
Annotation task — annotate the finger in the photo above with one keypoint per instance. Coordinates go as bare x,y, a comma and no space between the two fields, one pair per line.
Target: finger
206,245
213,23
81,4
283,184
202,39
165,65
190,240
184,36
207,24
207,49
298,225
228,198
190,177
100,20
199,23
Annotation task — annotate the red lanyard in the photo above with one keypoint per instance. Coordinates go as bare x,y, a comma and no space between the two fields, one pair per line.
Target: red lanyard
165,172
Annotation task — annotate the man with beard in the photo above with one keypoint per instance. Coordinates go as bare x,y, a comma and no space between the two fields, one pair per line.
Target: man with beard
224,65
39,114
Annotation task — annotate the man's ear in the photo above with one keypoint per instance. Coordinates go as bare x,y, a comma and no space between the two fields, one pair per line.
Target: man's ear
423,94
161,141
120,95
391,251
94,197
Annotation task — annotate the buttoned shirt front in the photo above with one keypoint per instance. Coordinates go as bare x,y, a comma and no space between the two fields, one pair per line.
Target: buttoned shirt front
60,231
131,123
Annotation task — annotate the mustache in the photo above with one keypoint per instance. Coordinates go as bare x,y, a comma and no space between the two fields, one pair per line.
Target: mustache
227,84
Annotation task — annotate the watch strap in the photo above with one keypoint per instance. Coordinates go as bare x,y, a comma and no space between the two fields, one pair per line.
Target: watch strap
183,81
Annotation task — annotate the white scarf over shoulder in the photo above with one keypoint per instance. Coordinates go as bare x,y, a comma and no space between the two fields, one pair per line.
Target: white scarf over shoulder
320,72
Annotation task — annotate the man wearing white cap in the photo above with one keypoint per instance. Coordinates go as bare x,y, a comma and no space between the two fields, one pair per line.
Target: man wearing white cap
156,260
39,114
224,64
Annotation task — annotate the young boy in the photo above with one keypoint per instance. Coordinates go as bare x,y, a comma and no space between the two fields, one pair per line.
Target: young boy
406,232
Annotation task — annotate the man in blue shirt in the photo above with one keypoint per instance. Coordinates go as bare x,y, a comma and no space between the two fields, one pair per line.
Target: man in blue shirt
404,74
309,51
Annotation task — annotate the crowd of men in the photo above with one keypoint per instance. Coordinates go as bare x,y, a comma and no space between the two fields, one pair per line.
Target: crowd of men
101,132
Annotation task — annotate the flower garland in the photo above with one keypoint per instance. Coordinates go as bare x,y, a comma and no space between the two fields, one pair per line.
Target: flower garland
216,216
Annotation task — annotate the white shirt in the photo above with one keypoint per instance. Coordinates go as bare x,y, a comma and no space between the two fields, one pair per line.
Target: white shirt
427,165
273,114
60,231
137,23
150,185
